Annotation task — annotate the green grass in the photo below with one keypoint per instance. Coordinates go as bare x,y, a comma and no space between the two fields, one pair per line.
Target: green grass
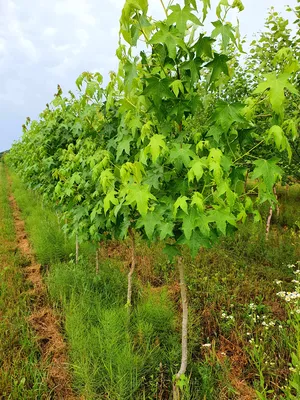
21,373
113,357
231,292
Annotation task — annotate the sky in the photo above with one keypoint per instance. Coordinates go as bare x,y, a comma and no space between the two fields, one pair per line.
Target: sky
44,43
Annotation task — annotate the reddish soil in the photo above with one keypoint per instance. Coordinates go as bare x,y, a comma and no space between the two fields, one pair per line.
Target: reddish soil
43,319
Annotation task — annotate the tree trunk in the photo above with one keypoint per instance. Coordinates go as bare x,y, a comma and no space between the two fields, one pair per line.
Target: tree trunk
269,222
277,205
184,330
77,250
132,268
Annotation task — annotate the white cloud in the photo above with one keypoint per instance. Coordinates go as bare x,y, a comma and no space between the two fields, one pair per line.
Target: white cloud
50,31
45,42
80,9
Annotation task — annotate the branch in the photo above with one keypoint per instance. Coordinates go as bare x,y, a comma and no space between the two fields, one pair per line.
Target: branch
164,7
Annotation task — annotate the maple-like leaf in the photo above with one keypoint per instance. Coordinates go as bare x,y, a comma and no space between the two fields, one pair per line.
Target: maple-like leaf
197,200
130,74
227,114
276,86
158,89
181,154
168,37
107,179
205,8
218,66
196,170
181,202
196,241
180,17
177,87
124,145
277,133
268,171
166,230
221,217
149,222
225,30
193,66
203,46
156,145
110,198
139,195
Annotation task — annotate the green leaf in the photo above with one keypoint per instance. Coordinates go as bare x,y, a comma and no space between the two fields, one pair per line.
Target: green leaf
166,230
181,202
107,179
130,74
149,222
197,200
124,145
226,31
171,251
196,170
181,154
227,114
206,7
169,38
218,66
139,195
221,217
277,134
268,171
177,87
197,240
156,145
180,17
203,46
158,89
276,86
110,198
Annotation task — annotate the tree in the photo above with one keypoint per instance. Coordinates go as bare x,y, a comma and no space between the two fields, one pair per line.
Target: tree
124,159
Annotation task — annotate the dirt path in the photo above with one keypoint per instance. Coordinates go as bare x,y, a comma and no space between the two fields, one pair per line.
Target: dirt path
43,319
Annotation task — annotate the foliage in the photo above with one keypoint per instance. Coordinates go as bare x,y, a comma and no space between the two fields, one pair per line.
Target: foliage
123,158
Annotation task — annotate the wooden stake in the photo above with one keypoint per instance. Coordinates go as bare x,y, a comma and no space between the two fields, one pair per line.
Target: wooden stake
184,330
132,268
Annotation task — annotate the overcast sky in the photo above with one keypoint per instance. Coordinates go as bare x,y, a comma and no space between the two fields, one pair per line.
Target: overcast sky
43,43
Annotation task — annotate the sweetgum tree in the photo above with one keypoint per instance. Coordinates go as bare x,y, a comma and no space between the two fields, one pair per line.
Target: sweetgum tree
189,186
128,160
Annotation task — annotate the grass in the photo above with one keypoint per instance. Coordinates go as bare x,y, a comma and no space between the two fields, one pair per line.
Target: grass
21,373
234,310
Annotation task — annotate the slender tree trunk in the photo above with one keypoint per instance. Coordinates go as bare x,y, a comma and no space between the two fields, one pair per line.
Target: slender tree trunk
132,268
268,225
97,258
277,205
184,329
269,222
77,250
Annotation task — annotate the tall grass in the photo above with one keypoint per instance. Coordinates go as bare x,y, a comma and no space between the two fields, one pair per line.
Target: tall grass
111,357
117,357
22,375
